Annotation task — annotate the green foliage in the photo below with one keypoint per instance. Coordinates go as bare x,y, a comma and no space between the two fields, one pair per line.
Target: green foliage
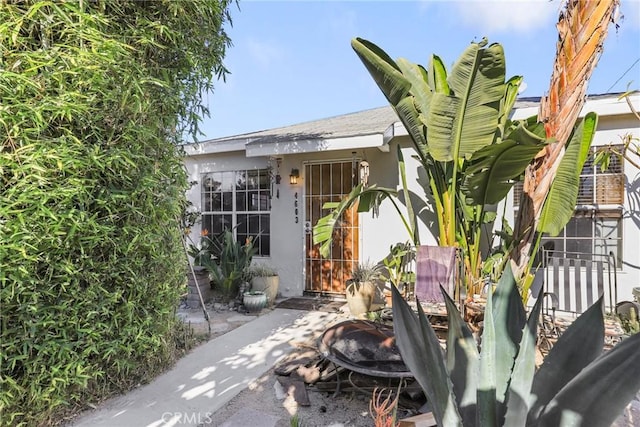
400,255
498,385
231,266
459,124
95,96
262,270
367,198
561,201
203,251
366,271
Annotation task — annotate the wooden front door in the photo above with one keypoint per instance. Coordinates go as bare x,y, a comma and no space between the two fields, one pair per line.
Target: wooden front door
328,182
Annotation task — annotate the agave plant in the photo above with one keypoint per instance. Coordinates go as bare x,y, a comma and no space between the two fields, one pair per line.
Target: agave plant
499,385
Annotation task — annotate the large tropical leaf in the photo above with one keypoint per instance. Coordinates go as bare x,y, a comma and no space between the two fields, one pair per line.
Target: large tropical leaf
421,352
383,69
579,345
599,393
492,171
563,194
366,197
466,119
403,84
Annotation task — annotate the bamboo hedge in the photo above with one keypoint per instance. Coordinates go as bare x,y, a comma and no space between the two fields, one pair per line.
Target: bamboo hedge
94,100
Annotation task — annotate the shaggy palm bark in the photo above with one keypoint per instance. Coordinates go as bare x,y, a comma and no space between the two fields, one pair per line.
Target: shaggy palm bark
582,28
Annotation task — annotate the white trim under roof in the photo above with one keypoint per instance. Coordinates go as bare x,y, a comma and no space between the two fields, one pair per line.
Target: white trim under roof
602,106
210,147
266,148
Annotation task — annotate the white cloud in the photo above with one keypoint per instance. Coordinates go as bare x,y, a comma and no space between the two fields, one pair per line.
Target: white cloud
512,16
264,52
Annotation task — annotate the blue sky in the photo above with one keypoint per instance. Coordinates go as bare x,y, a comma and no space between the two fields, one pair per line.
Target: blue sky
292,61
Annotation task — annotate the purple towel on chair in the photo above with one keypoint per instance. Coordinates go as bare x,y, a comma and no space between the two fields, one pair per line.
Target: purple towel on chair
435,266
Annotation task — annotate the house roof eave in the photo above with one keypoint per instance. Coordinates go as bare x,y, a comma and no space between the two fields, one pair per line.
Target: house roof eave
262,148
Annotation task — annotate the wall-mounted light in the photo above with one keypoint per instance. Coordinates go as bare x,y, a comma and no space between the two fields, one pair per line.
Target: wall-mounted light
293,178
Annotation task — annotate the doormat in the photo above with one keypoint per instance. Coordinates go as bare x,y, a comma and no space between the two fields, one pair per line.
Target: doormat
311,304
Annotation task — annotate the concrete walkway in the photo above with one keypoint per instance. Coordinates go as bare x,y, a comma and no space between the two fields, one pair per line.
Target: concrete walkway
212,374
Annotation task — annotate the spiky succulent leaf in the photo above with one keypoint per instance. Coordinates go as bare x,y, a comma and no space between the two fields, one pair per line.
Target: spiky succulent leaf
509,319
422,354
580,344
462,362
599,393
519,398
487,376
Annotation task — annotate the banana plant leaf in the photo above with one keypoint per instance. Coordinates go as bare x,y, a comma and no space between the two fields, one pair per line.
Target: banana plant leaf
366,197
463,121
492,171
561,201
403,84
383,69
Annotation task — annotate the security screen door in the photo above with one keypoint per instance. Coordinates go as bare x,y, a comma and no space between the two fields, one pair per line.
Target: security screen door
327,182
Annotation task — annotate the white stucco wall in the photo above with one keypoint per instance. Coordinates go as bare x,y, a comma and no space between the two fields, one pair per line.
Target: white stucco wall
378,234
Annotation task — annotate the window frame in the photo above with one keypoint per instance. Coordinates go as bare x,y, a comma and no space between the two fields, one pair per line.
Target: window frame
242,199
605,203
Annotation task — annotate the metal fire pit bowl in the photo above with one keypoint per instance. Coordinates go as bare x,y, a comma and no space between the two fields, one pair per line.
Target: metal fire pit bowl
364,347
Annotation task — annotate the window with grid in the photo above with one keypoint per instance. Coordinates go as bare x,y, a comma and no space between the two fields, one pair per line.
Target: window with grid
238,201
596,227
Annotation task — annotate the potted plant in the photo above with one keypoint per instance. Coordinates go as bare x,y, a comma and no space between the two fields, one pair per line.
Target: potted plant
362,288
231,264
265,278
254,301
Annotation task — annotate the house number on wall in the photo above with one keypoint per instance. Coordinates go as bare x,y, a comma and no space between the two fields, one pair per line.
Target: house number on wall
295,206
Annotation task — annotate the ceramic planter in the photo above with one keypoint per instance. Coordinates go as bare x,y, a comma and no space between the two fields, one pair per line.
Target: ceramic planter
254,301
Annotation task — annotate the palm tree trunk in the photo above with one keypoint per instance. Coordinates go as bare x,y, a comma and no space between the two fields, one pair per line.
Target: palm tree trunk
582,28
